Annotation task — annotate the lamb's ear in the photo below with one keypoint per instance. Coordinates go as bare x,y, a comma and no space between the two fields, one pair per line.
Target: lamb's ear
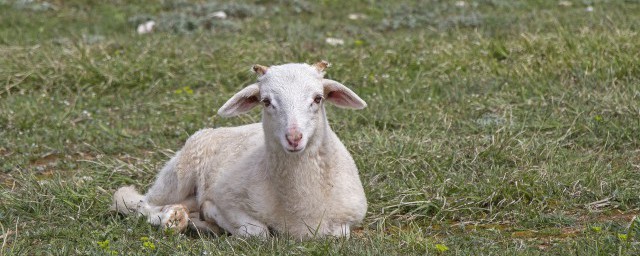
242,102
341,96
259,69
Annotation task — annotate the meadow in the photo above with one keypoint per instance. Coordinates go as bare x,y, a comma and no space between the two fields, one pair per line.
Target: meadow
493,127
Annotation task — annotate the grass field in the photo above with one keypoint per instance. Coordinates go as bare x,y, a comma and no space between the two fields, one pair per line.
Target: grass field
494,127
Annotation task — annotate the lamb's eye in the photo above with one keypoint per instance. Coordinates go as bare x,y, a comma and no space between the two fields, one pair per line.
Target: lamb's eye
266,102
317,99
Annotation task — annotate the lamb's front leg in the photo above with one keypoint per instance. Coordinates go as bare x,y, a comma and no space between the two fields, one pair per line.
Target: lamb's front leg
127,200
234,220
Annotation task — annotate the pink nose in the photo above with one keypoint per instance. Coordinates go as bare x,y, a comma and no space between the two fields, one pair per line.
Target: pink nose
293,137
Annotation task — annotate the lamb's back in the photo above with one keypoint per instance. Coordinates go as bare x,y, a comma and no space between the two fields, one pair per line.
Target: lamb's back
210,151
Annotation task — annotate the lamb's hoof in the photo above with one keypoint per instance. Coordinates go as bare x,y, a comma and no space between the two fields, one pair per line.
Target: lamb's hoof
197,224
175,217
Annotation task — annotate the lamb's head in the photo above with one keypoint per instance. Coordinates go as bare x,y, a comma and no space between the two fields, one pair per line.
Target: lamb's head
292,96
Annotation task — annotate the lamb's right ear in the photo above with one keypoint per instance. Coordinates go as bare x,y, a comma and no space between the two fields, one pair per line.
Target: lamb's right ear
242,102
341,96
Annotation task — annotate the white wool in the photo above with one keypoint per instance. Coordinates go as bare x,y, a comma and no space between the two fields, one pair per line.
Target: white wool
290,173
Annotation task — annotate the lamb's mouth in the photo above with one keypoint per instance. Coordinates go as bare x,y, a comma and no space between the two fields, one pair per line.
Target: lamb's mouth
294,150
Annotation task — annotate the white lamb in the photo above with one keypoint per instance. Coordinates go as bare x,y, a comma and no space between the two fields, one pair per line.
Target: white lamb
290,173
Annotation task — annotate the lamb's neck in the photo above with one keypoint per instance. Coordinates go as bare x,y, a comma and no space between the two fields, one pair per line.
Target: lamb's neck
303,174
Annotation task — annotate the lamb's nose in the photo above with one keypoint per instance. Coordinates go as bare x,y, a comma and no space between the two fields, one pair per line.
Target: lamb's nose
293,137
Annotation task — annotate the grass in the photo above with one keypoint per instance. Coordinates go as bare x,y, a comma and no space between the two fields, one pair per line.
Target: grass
496,127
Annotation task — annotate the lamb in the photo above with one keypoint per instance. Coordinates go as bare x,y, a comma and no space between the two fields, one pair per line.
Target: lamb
289,174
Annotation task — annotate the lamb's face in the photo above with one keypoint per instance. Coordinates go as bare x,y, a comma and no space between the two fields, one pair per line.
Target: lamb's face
292,96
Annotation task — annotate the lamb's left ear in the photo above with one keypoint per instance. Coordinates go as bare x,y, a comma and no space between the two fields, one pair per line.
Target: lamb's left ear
341,96
241,102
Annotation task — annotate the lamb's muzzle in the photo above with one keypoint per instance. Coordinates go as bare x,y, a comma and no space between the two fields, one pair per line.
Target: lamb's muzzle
293,137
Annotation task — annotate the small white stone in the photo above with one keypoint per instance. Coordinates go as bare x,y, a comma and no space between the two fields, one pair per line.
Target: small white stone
334,41
461,3
146,27
357,16
219,15
589,9
565,3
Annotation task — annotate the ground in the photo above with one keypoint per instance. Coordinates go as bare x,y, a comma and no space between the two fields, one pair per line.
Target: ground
493,126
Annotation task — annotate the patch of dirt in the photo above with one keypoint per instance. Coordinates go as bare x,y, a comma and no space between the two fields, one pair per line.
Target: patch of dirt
618,216
47,159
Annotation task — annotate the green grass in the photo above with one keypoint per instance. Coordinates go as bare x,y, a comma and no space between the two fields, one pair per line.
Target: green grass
500,127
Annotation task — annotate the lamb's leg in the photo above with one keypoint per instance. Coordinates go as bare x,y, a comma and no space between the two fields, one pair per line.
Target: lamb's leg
234,220
175,216
127,200
168,201
198,223
173,185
